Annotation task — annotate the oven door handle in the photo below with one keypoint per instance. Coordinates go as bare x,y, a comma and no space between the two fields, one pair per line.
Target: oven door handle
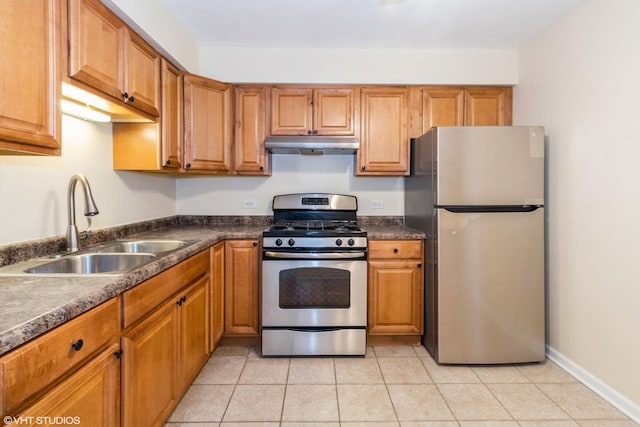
315,255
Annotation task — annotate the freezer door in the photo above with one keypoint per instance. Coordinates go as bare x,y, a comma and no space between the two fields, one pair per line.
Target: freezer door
487,165
490,287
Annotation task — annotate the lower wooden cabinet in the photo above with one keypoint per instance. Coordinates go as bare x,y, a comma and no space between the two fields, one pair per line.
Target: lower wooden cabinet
150,358
89,397
395,291
242,261
216,297
165,350
32,375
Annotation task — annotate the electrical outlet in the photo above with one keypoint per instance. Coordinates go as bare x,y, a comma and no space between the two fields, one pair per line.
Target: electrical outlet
249,204
377,204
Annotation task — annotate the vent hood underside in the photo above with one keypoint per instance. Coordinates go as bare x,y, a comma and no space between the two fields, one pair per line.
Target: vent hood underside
311,145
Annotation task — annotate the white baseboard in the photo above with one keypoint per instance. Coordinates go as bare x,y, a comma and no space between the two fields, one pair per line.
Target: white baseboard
626,406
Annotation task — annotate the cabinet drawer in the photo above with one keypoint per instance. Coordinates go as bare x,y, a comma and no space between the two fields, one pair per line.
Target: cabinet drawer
139,301
395,249
38,363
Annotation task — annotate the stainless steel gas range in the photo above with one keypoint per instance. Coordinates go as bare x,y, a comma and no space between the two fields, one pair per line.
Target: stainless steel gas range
314,277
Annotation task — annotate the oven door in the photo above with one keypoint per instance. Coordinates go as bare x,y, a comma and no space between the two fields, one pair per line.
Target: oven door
314,293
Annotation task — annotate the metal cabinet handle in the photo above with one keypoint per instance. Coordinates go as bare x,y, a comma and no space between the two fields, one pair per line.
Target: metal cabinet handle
77,346
395,250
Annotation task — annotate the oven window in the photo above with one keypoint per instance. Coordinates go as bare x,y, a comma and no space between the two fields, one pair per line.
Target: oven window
314,287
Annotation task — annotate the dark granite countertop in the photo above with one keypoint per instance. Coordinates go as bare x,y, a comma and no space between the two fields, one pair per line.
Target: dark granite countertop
34,305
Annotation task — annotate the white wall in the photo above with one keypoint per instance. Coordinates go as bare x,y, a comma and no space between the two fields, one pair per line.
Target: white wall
371,66
33,190
291,174
152,20
581,80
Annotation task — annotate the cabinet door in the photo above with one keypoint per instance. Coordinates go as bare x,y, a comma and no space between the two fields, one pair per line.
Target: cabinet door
33,38
97,47
89,397
488,106
142,83
384,142
208,125
251,157
395,298
150,358
194,331
241,287
291,111
334,111
442,107
171,118
216,298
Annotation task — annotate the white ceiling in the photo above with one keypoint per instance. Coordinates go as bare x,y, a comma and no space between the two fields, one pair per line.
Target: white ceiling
362,24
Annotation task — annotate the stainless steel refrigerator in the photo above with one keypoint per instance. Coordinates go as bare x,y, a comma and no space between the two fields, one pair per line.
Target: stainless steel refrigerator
478,194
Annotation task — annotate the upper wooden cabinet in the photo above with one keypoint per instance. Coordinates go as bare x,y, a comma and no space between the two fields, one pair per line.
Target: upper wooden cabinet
250,157
33,34
384,139
110,58
154,146
329,111
488,106
459,106
208,125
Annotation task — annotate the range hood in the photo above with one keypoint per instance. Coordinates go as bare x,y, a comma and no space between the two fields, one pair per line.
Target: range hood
311,145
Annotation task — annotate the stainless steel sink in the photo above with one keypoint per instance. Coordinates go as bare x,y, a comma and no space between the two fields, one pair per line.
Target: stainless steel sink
93,263
108,259
142,246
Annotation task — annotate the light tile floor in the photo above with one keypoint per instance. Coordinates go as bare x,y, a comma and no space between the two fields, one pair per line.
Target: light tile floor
390,387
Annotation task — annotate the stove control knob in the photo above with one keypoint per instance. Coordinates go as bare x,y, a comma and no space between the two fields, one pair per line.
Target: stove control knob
278,242
339,242
291,242
351,242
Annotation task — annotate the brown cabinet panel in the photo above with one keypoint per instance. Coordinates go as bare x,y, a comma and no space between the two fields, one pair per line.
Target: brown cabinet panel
334,111
442,107
142,75
216,298
150,359
33,34
395,297
291,111
488,106
194,331
208,125
89,397
97,47
251,158
241,287
395,288
384,141
171,117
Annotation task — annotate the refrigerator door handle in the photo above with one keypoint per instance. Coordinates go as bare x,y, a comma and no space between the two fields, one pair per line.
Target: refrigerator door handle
490,209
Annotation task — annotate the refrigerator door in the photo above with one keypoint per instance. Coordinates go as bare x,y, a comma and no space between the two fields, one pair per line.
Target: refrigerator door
489,165
490,287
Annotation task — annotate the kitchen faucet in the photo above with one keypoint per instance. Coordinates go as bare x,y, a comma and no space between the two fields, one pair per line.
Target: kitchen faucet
90,209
